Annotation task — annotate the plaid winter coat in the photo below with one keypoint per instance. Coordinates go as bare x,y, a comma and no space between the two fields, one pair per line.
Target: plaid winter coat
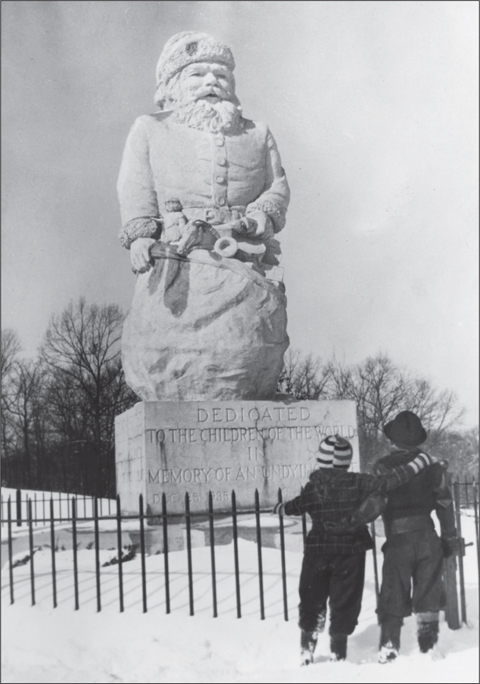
333,495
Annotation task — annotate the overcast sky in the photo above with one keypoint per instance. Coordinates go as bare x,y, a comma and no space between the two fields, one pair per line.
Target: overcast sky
374,106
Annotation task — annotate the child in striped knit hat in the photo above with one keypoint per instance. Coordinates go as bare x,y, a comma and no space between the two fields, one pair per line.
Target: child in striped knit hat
333,566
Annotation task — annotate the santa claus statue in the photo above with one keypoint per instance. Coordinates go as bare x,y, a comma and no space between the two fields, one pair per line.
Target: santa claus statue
202,193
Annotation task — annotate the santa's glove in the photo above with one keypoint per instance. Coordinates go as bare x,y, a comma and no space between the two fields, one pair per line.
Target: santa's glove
278,509
450,546
259,225
421,461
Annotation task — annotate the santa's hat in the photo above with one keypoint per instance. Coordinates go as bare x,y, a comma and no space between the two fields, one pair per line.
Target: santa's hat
335,452
188,47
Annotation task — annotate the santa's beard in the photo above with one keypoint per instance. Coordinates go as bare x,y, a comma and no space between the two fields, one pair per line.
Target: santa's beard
216,117
224,116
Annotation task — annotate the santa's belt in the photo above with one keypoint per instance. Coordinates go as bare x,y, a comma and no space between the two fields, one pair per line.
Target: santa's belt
410,524
215,215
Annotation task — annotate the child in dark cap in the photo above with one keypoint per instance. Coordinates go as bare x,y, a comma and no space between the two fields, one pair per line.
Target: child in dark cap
333,566
413,552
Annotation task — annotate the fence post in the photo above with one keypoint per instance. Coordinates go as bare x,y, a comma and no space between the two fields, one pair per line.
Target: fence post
452,615
97,556
475,508
142,552
10,549
165,553
461,552
119,548
212,553
304,524
189,552
259,551
282,553
19,508
75,560
375,566
30,540
54,569
235,552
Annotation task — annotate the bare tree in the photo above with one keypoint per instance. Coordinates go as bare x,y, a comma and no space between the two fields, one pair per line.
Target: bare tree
303,377
376,385
10,348
26,408
68,409
438,410
86,386
460,448
382,389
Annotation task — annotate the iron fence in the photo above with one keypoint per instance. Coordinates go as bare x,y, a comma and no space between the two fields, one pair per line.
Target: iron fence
52,512
36,511
467,491
62,501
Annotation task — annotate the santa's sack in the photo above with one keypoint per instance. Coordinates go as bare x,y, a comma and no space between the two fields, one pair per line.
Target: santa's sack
204,328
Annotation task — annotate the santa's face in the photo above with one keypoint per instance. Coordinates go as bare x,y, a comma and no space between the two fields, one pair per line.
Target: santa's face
207,81
202,95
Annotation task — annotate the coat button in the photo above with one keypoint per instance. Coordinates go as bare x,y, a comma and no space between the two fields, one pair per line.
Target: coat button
220,179
219,142
222,162
221,201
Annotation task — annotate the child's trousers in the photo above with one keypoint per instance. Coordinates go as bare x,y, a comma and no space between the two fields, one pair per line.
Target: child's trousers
338,578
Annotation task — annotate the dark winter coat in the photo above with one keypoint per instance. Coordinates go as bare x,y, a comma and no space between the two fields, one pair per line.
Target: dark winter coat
417,498
413,558
332,495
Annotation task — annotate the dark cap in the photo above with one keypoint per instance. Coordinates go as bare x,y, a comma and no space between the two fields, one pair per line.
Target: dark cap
406,429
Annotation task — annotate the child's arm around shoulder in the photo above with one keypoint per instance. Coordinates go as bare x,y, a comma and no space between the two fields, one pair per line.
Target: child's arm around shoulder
387,478
296,506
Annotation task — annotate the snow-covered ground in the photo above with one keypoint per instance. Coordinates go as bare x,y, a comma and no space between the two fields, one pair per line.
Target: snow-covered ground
46,644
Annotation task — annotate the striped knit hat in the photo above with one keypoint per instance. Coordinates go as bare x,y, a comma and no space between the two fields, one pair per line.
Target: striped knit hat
335,452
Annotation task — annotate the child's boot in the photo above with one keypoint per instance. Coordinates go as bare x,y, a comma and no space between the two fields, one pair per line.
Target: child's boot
389,639
338,646
427,631
308,642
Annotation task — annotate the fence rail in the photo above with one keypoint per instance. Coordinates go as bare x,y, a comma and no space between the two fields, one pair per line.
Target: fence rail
63,505
51,514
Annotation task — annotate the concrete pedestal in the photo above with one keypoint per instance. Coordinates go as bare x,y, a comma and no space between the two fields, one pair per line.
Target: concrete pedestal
173,448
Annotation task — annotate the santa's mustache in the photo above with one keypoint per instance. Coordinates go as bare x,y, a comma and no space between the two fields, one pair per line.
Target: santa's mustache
205,92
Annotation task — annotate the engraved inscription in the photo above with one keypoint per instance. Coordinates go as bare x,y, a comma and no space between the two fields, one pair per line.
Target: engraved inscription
242,473
246,434
273,413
